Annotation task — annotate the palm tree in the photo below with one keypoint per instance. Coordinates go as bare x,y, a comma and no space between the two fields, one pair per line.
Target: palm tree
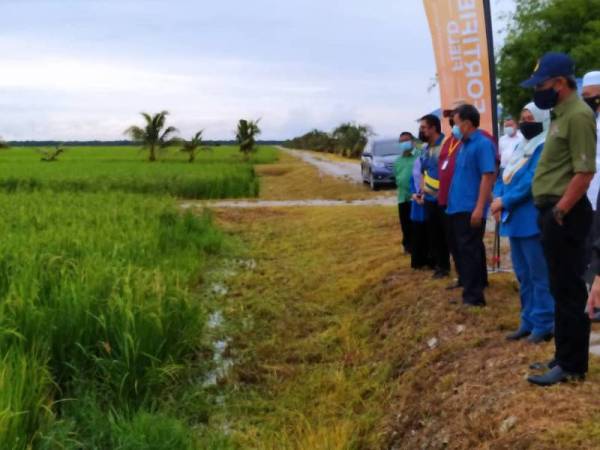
154,136
352,138
3,144
247,131
190,147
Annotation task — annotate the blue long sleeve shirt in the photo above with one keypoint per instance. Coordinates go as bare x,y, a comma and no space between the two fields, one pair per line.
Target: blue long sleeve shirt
519,215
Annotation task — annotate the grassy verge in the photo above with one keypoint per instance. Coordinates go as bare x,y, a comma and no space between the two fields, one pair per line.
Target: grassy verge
308,376
342,346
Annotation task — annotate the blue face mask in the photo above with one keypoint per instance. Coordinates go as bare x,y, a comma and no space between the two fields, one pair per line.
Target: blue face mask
406,146
457,133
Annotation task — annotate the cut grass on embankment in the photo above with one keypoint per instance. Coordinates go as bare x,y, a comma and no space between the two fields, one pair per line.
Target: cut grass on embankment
340,345
218,173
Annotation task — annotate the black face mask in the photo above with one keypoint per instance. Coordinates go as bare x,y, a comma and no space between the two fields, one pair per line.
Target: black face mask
594,102
531,129
451,121
422,136
546,99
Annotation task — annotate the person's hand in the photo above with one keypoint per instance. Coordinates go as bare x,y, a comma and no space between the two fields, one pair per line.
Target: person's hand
497,206
477,218
420,199
594,297
497,216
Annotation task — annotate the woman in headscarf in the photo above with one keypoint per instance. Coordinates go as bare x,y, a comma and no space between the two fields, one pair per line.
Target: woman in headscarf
513,207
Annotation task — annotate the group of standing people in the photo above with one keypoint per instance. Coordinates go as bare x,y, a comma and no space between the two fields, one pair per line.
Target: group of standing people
536,185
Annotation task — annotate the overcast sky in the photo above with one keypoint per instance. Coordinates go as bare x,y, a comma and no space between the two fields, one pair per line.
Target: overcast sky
74,69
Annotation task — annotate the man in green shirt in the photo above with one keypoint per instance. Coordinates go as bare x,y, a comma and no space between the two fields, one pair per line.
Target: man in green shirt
560,184
403,171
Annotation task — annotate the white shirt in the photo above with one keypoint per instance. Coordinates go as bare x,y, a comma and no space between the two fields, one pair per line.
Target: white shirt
595,184
506,146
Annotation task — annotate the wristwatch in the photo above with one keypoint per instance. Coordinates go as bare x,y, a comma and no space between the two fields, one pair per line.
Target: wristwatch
559,214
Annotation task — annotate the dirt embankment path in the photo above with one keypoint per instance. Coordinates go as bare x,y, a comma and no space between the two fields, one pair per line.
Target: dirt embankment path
349,171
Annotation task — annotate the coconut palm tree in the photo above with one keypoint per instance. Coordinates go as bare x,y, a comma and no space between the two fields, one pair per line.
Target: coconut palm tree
155,135
352,138
247,131
191,147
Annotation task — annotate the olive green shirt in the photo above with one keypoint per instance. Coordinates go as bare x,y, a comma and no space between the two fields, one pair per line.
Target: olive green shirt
570,148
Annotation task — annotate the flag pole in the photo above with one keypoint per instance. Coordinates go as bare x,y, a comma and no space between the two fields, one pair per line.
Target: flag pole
492,63
496,258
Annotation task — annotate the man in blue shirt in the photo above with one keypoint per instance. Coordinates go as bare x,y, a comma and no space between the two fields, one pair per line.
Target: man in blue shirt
468,200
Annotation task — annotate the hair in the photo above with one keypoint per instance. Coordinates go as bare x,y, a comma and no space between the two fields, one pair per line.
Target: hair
407,133
470,113
432,121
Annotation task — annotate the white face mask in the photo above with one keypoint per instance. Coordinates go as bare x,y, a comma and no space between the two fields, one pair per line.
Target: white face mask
509,131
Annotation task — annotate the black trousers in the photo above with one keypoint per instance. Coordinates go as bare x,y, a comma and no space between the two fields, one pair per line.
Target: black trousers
451,238
564,248
451,243
470,257
405,225
419,246
436,231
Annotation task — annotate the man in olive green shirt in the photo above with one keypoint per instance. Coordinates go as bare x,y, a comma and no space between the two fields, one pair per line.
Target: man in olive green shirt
560,184
403,171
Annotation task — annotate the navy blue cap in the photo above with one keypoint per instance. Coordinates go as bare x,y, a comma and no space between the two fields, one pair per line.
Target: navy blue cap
551,65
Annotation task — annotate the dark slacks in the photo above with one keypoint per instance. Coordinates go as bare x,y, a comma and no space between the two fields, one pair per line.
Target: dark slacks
419,246
450,238
436,230
470,257
405,225
564,248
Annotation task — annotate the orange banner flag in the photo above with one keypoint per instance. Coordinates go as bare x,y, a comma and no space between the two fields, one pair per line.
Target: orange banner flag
462,42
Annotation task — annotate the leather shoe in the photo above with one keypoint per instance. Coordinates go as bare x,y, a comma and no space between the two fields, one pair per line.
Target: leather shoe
539,338
518,335
543,365
554,376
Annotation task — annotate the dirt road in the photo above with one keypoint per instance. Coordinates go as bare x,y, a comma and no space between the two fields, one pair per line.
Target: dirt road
349,171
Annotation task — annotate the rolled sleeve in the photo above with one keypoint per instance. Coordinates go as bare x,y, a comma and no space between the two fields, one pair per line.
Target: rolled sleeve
582,143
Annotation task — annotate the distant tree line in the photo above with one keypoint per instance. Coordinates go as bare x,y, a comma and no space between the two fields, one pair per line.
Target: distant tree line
347,140
123,143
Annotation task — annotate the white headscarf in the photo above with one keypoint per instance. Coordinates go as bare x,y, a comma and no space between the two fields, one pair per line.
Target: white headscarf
526,148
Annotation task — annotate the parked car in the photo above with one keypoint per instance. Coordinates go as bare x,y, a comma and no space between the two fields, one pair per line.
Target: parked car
377,162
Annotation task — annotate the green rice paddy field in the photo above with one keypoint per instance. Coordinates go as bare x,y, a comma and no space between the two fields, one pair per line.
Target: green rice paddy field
102,319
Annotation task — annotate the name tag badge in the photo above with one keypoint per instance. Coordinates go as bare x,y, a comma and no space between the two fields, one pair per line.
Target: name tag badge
445,165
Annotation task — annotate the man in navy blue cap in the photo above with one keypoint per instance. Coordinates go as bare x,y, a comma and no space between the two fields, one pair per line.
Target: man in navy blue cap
560,184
